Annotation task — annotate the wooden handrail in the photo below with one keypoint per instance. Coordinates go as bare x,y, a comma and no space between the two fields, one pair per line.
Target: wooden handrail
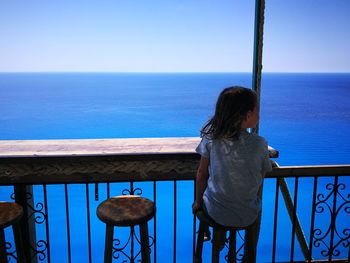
101,147
99,160
309,171
117,160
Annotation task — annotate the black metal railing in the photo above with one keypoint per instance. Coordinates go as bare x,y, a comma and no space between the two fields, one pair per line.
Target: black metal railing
328,233
324,239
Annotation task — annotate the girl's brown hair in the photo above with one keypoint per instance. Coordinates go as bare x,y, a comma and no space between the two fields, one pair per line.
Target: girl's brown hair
231,109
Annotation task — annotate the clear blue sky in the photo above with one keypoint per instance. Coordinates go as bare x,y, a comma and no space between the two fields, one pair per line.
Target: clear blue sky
172,35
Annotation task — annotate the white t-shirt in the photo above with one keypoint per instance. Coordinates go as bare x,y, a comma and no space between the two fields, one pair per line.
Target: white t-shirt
235,175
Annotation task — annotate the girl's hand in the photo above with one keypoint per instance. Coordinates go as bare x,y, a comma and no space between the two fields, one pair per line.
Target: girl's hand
195,207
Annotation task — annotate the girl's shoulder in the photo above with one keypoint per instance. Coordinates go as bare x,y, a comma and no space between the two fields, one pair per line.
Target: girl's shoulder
258,137
255,139
244,138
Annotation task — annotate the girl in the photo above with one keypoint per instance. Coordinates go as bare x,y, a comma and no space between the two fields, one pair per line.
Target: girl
233,163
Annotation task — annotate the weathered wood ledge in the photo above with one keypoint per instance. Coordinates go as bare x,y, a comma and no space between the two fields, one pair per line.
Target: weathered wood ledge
96,147
98,160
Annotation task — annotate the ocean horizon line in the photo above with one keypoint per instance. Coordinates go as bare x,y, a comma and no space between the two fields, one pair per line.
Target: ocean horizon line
172,72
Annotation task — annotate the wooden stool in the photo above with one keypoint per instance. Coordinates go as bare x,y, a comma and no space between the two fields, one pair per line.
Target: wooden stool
216,246
10,214
126,210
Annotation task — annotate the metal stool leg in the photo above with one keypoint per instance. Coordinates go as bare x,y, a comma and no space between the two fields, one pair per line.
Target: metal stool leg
215,255
145,250
108,243
232,247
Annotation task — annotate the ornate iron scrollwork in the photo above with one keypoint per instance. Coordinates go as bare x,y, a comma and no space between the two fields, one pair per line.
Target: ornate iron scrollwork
136,191
41,249
10,254
332,238
118,250
38,213
240,250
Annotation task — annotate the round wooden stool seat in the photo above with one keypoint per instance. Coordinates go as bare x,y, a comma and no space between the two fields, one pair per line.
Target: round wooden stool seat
126,210
10,213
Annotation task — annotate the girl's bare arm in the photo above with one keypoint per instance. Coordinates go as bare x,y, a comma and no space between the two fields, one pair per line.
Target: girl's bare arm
201,183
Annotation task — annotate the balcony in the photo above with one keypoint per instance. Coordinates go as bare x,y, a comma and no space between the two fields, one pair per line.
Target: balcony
306,209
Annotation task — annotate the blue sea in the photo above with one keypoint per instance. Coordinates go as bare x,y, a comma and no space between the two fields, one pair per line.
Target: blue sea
305,116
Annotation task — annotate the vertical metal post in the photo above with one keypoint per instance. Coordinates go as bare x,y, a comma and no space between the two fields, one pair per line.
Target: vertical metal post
88,221
68,223
47,224
194,225
312,224
155,222
175,208
24,197
294,218
258,49
108,191
257,67
333,219
275,222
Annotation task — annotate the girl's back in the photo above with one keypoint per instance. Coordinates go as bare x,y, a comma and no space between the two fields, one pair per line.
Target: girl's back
235,168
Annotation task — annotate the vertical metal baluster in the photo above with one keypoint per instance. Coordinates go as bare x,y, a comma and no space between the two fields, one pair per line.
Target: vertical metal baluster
47,224
334,209
294,218
27,221
108,191
275,221
194,225
313,217
67,221
132,229
96,192
131,188
88,218
155,222
175,221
